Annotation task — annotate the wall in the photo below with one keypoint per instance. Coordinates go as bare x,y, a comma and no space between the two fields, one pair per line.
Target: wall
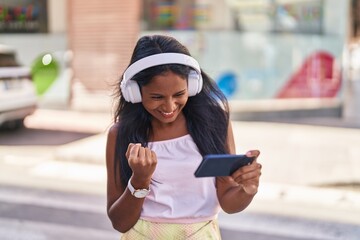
259,63
101,37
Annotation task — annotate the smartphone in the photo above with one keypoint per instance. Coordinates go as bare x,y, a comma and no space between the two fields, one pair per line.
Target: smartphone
215,165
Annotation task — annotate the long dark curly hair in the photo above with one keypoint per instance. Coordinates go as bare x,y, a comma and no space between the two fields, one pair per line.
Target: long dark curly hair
207,113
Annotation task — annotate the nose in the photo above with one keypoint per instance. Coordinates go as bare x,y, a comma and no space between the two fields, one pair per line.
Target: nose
169,105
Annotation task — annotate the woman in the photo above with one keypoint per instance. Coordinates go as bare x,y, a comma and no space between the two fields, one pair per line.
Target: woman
169,115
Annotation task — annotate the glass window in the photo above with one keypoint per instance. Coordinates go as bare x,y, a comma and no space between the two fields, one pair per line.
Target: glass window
23,16
300,16
168,14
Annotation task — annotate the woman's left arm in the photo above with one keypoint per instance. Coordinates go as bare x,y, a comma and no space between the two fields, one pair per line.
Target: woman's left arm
236,192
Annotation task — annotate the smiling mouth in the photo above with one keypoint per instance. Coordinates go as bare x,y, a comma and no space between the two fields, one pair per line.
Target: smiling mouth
168,114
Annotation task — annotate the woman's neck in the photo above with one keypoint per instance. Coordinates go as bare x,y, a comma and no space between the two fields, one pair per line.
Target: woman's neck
163,131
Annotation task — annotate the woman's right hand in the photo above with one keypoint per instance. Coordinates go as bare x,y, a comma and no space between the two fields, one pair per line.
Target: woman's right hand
142,162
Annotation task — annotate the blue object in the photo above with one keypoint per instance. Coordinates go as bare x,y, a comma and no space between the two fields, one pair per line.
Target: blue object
227,83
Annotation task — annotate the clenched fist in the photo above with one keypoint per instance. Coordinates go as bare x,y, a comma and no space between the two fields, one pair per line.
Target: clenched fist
142,161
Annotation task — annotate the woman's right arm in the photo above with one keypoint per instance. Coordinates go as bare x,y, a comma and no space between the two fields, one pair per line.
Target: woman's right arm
122,207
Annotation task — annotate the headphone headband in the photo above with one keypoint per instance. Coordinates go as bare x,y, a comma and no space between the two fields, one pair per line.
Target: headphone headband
130,89
159,59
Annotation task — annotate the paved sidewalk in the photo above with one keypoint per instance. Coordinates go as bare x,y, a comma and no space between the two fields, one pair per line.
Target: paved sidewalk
298,161
290,153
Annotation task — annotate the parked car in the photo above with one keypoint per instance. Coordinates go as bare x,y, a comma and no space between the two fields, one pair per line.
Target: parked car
17,91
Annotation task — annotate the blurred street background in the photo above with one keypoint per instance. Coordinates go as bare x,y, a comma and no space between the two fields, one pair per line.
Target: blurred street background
291,72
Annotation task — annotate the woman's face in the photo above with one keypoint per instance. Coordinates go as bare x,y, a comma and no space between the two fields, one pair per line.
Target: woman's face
165,96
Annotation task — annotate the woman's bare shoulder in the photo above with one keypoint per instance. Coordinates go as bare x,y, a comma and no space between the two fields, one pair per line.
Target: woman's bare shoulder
113,131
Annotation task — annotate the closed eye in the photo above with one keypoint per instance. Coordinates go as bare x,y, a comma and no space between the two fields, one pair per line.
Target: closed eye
156,97
179,93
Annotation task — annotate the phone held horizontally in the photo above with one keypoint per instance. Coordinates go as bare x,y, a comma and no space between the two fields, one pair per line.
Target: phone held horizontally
215,165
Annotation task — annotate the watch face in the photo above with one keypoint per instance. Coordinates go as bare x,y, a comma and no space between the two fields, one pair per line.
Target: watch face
141,193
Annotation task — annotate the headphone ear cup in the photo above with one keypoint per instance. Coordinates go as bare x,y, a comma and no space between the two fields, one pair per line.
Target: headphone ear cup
194,83
132,92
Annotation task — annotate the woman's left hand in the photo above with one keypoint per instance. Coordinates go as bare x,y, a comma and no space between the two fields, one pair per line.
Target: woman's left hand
248,176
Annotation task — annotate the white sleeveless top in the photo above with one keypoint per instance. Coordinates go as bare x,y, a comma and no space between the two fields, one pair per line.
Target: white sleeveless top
176,195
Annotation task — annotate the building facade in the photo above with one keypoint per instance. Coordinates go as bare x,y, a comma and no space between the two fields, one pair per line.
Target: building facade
253,49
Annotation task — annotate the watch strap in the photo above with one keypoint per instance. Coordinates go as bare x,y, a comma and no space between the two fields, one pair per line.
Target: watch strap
138,193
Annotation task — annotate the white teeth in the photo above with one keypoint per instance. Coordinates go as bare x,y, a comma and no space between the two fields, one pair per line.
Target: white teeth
165,113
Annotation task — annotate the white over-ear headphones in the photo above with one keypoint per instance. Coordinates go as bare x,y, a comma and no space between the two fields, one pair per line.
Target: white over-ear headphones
130,88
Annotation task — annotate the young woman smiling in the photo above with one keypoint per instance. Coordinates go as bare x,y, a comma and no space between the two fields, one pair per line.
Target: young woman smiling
169,115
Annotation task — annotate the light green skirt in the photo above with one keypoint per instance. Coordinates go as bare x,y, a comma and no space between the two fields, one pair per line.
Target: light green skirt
145,230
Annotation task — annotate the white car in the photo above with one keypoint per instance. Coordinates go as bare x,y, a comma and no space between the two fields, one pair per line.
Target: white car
18,97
